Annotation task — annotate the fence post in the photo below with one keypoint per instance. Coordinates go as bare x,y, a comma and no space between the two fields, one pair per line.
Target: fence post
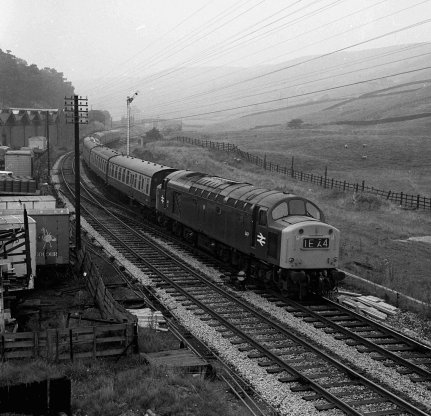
57,346
344,185
264,162
363,185
332,183
36,344
401,198
291,166
389,194
357,186
326,175
2,348
417,202
71,345
94,342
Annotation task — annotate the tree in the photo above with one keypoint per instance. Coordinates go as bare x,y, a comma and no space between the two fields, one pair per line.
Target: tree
23,85
153,135
295,123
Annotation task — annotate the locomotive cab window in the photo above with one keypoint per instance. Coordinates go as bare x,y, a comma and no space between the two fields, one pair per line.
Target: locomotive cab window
299,207
313,211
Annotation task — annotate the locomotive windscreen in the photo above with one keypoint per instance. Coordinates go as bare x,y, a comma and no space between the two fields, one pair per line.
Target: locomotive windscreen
298,207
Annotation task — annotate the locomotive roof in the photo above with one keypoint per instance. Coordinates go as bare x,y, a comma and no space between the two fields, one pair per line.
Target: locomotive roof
238,194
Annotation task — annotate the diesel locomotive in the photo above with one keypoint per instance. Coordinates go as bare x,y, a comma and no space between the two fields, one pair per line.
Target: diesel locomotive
274,237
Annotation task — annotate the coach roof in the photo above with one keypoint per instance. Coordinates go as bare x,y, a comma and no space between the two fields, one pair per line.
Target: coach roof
140,166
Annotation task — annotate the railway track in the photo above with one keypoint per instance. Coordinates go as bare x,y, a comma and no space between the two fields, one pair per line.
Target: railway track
406,355
319,377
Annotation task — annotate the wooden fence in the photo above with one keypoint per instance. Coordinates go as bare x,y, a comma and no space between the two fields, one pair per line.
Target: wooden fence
106,303
70,343
399,198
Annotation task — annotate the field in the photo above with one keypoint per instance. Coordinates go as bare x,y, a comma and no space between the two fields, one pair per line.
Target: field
373,230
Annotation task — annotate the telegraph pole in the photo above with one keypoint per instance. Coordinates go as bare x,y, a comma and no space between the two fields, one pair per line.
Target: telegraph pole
47,145
76,109
128,102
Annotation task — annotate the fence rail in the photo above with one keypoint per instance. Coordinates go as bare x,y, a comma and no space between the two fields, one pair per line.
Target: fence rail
69,343
399,198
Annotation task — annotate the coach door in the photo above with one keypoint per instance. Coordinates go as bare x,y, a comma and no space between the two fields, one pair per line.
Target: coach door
260,231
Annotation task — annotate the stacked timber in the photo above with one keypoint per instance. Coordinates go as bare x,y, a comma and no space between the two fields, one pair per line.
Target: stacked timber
370,306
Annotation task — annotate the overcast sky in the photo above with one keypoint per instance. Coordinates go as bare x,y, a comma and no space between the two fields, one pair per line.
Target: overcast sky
102,39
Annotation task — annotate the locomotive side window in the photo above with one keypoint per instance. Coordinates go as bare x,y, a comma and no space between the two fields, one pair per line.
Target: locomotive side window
262,217
218,210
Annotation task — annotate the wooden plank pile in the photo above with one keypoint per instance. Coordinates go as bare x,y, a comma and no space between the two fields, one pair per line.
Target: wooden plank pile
370,306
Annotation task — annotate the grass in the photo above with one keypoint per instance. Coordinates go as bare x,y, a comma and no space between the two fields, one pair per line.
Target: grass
372,228
109,388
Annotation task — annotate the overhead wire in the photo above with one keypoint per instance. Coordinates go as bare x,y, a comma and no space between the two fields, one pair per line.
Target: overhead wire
196,31
304,94
313,58
186,62
373,21
333,52
301,84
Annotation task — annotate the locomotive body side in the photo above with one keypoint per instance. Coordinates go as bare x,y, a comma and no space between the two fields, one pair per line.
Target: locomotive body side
275,236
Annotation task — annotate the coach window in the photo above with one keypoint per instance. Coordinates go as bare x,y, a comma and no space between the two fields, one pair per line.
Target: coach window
123,174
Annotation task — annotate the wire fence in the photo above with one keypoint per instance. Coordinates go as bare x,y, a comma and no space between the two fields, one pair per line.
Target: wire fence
400,198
